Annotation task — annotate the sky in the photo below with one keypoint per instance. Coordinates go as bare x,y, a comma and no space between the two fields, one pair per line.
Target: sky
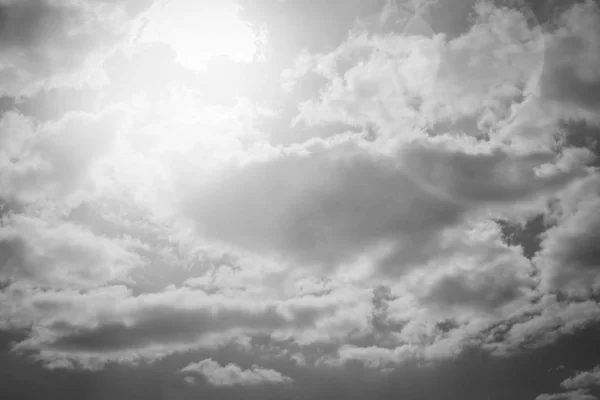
294,199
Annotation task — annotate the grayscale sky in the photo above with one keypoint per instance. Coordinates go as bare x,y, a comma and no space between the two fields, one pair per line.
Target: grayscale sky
299,199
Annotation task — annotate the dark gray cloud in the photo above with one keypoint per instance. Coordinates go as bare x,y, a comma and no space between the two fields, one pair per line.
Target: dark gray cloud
570,77
169,326
111,325
335,202
489,290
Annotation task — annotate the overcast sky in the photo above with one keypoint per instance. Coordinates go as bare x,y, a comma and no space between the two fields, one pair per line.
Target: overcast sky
296,199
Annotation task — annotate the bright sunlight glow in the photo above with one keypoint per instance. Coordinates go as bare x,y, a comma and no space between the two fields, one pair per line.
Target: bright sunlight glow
200,30
197,31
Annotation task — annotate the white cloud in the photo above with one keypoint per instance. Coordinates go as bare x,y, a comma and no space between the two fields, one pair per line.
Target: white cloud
54,159
398,82
232,374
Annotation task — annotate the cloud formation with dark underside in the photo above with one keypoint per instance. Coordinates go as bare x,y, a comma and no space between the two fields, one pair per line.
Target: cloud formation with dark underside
327,203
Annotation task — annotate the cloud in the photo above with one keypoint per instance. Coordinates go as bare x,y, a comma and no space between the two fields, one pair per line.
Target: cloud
399,81
494,287
293,26
111,324
542,323
502,79
578,386
355,95
54,159
62,254
583,379
47,43
232,374
573,395
568,85
328,202
569,259
570,77
374,357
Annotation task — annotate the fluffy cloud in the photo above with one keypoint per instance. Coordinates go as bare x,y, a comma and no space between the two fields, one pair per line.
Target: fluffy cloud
579,387
231,374
56,158
583,379
427,81
61,254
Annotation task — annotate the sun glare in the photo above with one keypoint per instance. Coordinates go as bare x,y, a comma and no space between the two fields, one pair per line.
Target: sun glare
200,30
197,31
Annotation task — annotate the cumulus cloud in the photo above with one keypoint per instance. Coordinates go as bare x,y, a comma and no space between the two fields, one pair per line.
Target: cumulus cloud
426,81
578,387
56,158
583,379
232,374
